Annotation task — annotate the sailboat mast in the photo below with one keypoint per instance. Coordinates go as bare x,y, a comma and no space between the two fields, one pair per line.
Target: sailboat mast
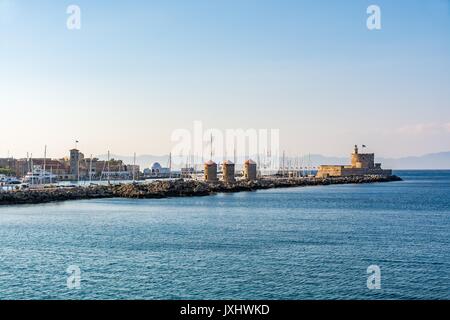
234,151
109,173
170,165
43,171
90,170
134,167
78,167
309,164
32,169
211,147
28,163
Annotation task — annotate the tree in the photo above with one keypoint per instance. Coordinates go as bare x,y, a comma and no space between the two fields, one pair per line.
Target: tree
6,171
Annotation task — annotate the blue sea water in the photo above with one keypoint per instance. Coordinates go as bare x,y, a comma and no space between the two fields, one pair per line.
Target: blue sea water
301,243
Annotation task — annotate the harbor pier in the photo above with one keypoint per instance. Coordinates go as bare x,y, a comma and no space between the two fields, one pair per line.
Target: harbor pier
174,188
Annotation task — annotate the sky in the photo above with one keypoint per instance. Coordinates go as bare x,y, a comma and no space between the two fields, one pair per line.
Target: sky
137,71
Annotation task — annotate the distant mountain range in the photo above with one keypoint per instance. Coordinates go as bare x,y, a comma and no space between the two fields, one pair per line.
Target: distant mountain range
429,161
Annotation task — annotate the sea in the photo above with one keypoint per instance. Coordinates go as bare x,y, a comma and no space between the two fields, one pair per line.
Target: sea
371,241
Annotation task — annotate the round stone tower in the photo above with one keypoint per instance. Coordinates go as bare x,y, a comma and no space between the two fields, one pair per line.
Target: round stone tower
228,171
250,171
210,171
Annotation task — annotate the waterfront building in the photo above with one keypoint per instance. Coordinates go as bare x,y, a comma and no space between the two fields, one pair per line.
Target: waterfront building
73,167
228,171
94,168
8,165
21,167
361,164
75,156
157,171
187,171
210,171
250,170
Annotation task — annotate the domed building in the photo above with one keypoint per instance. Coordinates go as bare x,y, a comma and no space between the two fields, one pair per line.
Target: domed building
156,170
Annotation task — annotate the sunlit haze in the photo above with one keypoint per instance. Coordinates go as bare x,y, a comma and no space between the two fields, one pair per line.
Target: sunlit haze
138,70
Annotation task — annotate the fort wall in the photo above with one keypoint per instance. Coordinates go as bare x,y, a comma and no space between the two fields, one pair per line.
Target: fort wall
361,164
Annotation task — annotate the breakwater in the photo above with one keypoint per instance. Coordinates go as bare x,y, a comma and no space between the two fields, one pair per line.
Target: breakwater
172,188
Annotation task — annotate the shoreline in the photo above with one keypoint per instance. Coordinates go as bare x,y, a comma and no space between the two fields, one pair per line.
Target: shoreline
173,189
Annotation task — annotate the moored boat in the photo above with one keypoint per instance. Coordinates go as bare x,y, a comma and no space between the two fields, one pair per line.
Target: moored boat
39,176
4,180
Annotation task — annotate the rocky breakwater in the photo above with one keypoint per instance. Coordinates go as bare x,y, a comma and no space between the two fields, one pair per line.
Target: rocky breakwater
45,195
162,189
173,188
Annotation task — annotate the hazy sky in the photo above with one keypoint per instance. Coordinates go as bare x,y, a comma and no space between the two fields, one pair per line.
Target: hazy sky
137,70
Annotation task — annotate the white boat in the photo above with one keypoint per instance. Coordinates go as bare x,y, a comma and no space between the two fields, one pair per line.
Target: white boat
39,176
4,180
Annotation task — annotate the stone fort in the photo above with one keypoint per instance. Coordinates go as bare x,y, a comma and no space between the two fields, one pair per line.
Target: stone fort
361,164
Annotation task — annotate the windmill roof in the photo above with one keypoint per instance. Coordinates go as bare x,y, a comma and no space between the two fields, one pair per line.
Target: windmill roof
210,163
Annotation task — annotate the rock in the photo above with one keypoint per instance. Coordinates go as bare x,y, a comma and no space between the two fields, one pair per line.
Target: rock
173,188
